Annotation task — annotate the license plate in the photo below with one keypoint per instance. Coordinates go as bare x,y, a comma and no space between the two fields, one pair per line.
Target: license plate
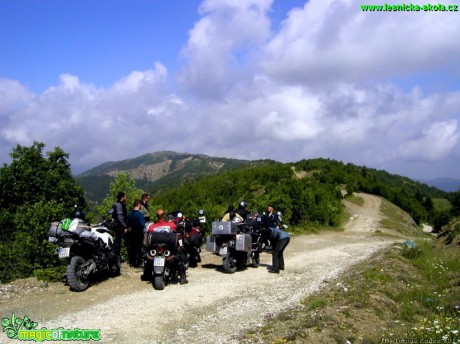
223,251
64,252
159,261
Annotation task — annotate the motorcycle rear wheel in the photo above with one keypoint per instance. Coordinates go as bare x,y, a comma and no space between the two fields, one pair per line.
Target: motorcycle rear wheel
229,266
75,277
158,282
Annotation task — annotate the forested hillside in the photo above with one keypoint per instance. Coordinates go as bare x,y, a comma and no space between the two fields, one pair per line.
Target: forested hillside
308,192
417,199
302,201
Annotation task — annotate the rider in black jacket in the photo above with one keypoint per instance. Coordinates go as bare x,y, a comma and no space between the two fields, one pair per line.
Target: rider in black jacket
271,219
241,210
119,214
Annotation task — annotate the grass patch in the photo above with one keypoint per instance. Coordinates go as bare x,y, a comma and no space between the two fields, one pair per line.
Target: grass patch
399,293
357,200
313,228
397,220
315,303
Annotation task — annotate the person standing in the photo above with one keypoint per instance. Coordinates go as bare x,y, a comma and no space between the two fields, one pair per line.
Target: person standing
229,214
145,207
271,219
279,239
136,222
119,214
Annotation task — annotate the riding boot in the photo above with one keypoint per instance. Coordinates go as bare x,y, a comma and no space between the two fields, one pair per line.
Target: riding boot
183,278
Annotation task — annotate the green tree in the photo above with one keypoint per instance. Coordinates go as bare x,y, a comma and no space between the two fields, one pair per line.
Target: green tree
34,191
122,183
455,203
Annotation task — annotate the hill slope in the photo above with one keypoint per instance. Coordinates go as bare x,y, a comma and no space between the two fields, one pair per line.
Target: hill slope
154,171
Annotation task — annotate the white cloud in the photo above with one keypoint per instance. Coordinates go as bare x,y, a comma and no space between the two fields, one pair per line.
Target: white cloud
221,43
333,40
95,125
324,85
433,144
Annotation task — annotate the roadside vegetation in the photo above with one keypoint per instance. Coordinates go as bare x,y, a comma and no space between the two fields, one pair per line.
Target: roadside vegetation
406,294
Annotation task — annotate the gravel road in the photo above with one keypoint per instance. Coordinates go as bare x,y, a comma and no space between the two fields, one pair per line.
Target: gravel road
213,307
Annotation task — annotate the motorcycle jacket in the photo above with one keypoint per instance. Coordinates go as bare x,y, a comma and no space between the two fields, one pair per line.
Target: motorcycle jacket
271,220
119,214
242,212
162,226
278,234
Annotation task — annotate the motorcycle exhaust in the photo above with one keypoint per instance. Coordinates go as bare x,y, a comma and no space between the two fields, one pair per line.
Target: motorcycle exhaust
153,252
90,269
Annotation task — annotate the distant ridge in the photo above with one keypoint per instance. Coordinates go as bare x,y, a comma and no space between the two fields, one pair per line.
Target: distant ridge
444,184
155,171
159,171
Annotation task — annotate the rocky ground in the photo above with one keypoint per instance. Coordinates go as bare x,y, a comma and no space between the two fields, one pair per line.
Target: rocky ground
213,307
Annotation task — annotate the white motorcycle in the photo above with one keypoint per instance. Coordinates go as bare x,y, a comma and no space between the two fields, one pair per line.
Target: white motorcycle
89,249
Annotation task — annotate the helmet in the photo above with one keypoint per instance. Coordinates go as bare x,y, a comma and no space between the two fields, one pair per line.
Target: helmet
77,214
243,204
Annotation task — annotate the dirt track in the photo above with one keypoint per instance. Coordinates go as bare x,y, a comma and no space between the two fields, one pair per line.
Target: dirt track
214,307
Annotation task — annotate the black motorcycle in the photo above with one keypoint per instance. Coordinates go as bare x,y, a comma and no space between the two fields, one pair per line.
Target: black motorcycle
89,249
191,235
164,261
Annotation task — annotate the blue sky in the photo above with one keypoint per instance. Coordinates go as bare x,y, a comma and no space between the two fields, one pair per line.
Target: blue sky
100,41
254,79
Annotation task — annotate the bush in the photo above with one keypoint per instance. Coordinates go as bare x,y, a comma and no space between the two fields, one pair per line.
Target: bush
55,274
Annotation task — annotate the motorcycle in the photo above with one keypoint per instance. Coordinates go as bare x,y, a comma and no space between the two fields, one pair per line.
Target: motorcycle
164,258
89,249
238,243
192,237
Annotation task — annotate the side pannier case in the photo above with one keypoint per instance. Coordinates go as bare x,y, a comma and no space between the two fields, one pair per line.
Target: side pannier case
224,228
211,244
243,242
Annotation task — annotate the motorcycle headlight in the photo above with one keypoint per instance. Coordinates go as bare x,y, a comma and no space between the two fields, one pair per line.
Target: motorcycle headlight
153,252
167,253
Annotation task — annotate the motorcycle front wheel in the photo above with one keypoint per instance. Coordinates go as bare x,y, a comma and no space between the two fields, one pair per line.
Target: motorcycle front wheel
255,260
115,266
229,265
75,278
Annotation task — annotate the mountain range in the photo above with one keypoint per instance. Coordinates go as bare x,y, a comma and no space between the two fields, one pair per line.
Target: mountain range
158,171
444,184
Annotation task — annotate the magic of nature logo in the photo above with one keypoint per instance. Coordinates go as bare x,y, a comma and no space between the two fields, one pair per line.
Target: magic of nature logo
25,329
